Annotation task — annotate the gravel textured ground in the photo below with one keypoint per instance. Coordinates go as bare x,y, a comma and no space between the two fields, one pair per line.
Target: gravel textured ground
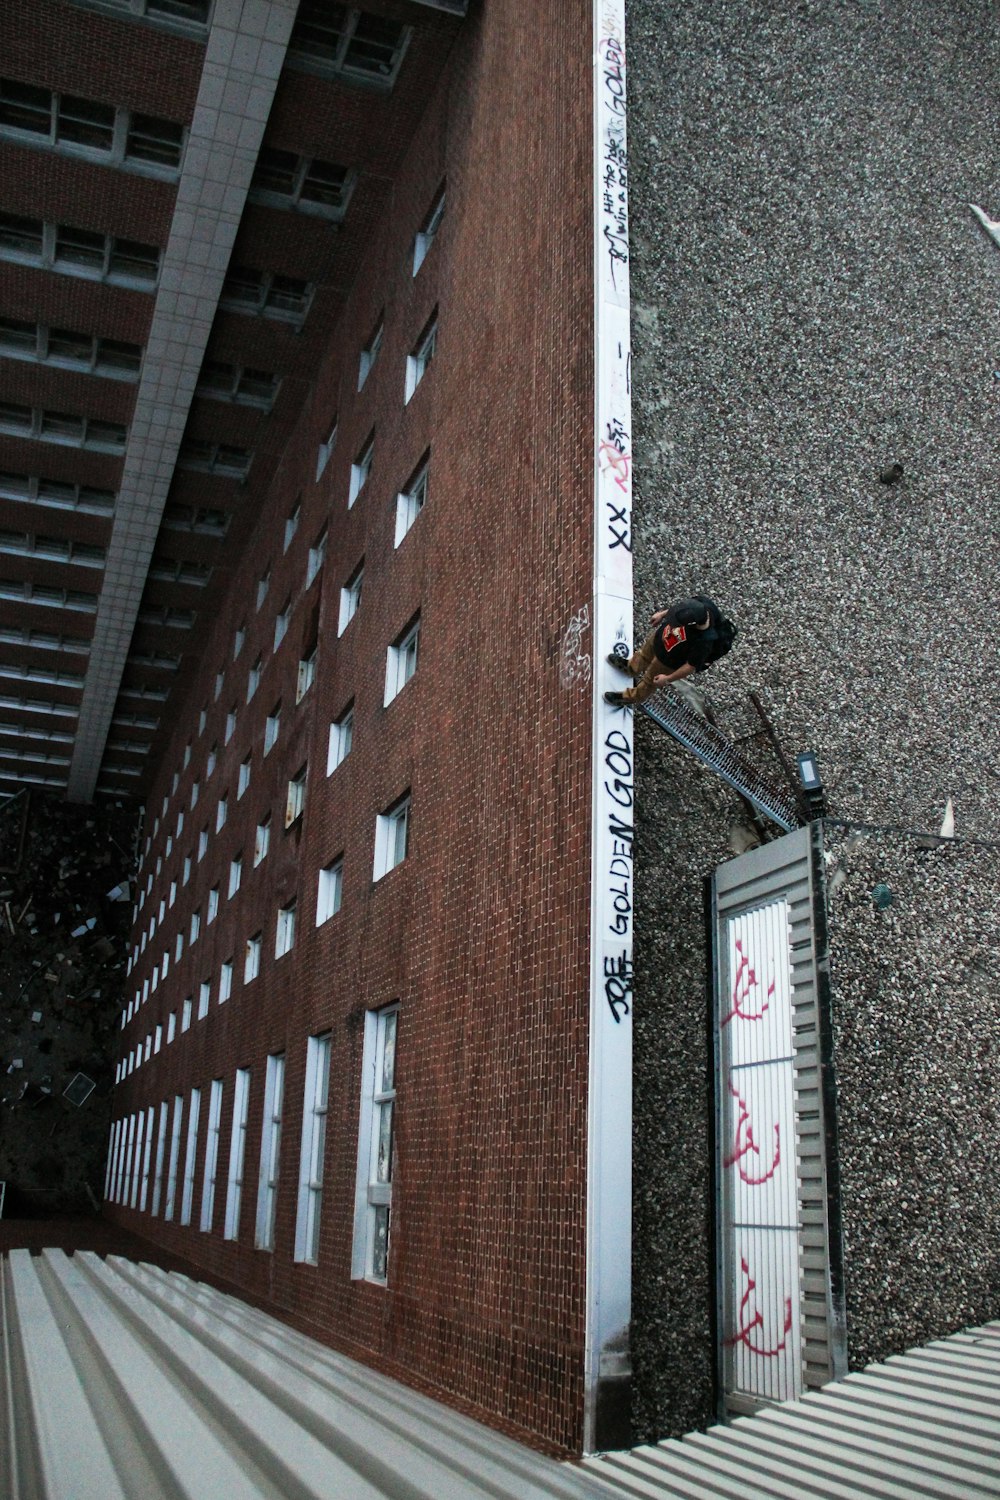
812,302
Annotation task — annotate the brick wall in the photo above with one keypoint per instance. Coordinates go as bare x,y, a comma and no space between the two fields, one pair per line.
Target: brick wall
482,933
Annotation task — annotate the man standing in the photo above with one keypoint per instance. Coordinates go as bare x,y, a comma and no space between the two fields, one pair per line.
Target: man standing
688,637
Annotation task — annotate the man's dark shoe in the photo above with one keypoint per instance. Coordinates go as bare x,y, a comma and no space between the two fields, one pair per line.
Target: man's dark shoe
620,663
617,700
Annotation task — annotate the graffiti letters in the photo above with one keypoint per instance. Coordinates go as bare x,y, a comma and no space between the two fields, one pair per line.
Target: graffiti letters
574,662
615,458
744,984
749,1325
745,1144
618,983
614,164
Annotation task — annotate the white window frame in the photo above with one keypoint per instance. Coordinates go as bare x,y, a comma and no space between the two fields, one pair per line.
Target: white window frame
325,449
270,1152
411,501
315,1106
401,661
369,353
373,1189
190,1157
307,674
317,556
361,469
341,739
115,154
211,1155
296,799
212,908
147,1158
350,598
171,1026
251,958
281,622
329,891
420,356
225,981
272,728
175,1149
291,525
284,931
390,826
243,775
186,1011
204,998
262,841
237,1154
161,1143
424,238
235,876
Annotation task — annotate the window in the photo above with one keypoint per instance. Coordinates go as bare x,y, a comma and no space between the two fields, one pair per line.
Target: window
224,459
82,127
195,793
335,39
238,641
79,252
211,1154
285,298
187,1197
391,837
150,1120
243,776
157,1038
251,959
161,1139
306,676
427,231
202,844
204,996
225,981
187,870
317,555
360,470
350,598
401,661
373,1196
171,1026
213,905
283,180
410,501
211,761
284,936
62,427
261,841
186,1014
237,1153
271,726
175,1151
68,350
263,585
201,520
235,875
328,895
230,726
312,1153
326,448
57,494
341,735
195,927
270,1151
281,624
221,813
291,526
295,801
421,355
253,678
237,383
369,353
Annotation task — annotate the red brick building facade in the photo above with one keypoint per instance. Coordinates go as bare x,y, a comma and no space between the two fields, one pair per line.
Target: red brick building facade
367,769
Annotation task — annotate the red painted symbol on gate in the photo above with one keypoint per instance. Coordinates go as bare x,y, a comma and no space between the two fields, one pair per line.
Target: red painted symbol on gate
748,1324
744,983
744,1142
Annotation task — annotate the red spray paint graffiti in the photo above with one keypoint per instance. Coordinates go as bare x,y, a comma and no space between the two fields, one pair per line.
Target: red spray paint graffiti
747,1324
746,981
744,1142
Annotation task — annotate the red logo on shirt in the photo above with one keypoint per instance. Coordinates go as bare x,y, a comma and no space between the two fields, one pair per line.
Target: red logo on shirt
673,635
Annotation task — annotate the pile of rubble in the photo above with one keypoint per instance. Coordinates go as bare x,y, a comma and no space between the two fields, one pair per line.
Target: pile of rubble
65,910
